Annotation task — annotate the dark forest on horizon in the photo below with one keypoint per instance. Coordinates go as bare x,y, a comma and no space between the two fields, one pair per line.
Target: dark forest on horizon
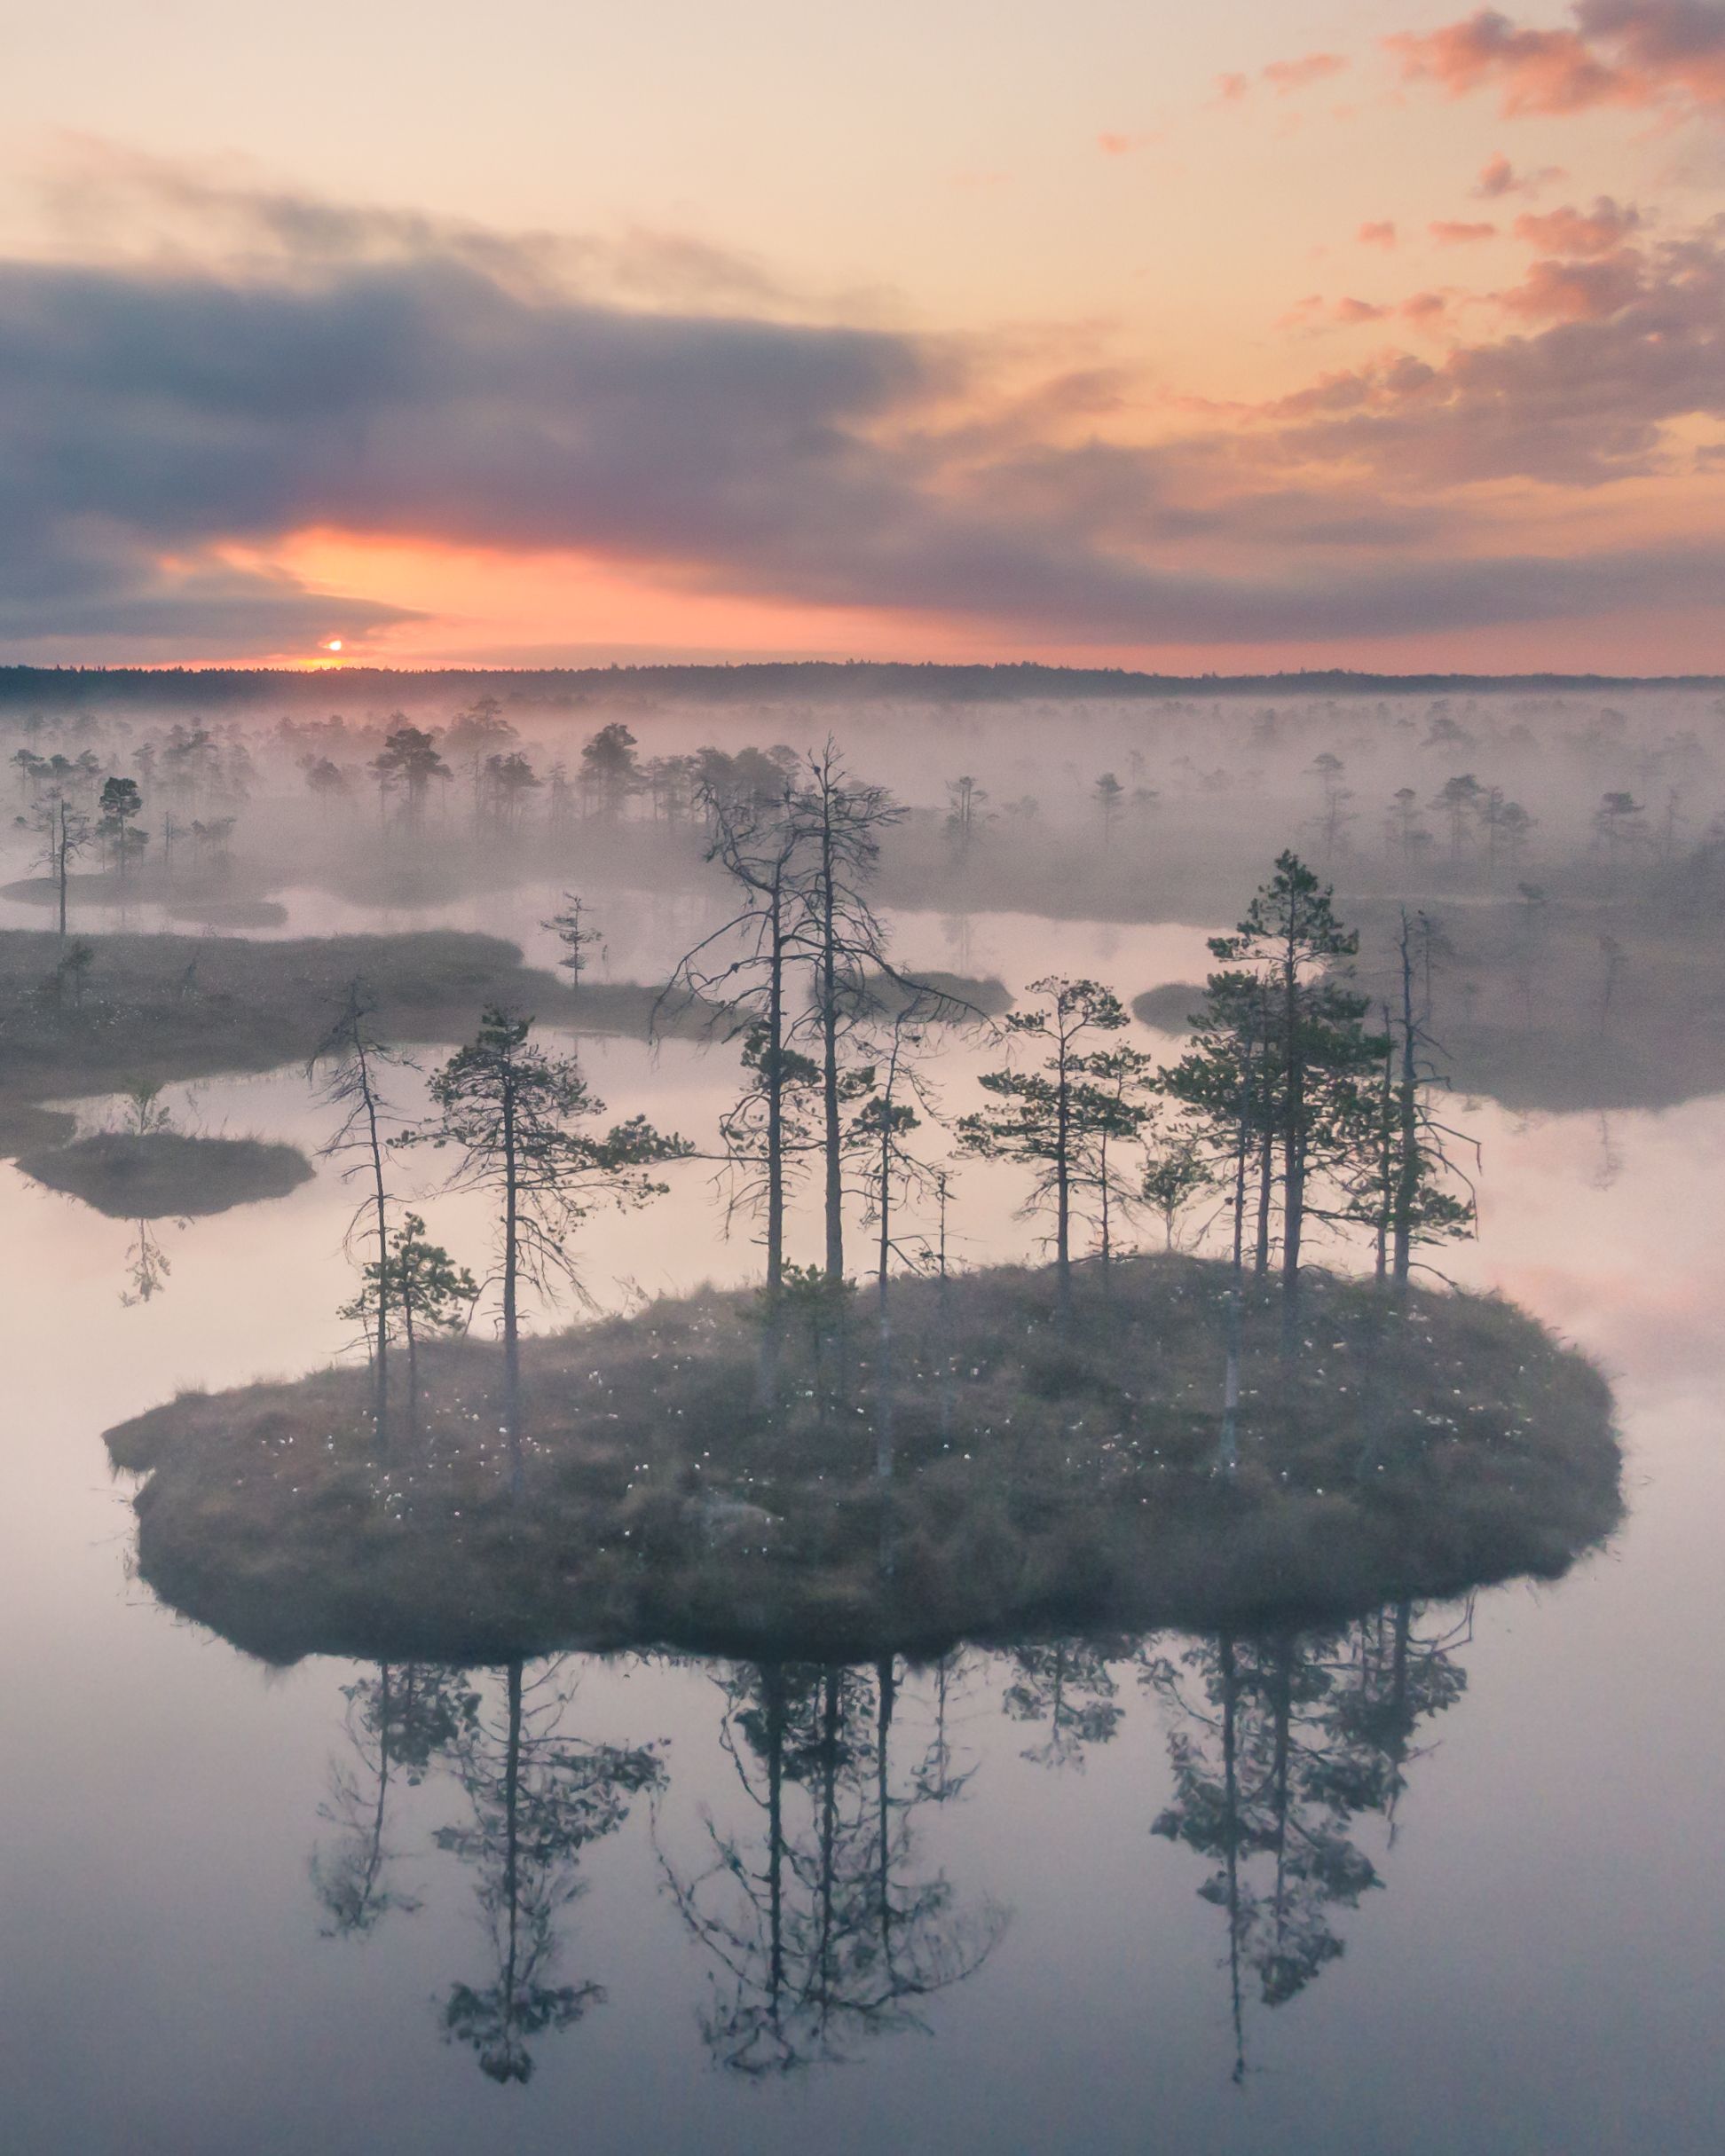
753,682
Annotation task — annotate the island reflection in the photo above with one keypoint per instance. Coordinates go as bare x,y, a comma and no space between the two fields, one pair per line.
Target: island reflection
798,1869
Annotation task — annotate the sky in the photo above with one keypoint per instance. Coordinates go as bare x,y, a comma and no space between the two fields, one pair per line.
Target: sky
1263,335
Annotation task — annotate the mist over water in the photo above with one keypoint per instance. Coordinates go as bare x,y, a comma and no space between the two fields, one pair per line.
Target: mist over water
1453,1890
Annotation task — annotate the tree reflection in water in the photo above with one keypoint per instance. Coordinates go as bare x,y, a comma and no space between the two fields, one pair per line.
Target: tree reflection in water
539,1799
398,1722
147,1266
537,1796
823,1925
1068,1689
823,1930
1281,1742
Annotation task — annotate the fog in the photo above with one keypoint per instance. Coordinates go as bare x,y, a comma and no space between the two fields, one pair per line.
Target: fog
1007,1383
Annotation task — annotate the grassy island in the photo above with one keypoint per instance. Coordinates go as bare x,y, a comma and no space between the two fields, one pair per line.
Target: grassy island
155,1009
1045,1476
1170,1008
158,1175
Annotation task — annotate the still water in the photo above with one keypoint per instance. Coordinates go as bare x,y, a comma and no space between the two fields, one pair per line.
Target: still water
232,1924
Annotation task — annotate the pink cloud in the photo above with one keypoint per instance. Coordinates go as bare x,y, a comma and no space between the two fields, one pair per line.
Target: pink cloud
1454,232
1498,178
1606,356
1352,312
1286,76
1599,230
1111,144
1577,291
1230,88
1632,53
1424,307
1381,234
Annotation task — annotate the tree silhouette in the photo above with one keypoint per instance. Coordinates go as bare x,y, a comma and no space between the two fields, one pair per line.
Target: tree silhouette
1313,1049
511,1112
570,930
744,970
841,820
119,808
415,1292
1053,1119
352,1064
408,763
611,770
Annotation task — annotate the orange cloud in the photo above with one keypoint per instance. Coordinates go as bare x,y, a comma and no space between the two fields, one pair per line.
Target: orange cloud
1453,231
1230,88
1381,234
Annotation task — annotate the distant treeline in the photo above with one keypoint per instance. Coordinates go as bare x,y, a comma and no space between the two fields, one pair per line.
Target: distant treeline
851,681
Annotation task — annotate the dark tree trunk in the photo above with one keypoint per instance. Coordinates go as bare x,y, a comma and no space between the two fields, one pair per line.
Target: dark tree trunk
511,1267
1407,1181
1293,1145
380,1200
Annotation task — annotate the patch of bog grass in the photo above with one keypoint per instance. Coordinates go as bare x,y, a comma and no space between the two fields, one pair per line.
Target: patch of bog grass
1047,1477
230,913
165,1174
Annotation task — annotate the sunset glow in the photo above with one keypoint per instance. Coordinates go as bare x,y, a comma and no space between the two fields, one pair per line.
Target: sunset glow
1294,336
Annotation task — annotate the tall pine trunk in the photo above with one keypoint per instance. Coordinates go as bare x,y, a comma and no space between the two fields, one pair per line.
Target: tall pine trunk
380,1351
1228,1451
776,1101
511,1267
829,993
1293,1145
1063,1178
1407,1105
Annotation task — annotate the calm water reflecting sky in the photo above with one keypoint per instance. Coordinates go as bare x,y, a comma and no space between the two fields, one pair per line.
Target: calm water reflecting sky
1536,1970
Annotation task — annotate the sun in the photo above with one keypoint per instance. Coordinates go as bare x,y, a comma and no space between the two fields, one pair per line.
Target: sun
334,644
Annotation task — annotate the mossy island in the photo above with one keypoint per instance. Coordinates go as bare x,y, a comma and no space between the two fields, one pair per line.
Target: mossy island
161,1174
110,1011
1171,1007
1048,1473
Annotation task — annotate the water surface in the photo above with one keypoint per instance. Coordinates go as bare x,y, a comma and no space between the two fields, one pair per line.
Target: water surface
1533,1966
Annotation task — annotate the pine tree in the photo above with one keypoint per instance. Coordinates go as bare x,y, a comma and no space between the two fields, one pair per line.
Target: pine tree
1315,1049
416,1292
1051,1118
570,930
510,1112
352,1061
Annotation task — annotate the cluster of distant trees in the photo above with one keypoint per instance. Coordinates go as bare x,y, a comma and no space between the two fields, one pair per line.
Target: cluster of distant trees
481,753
